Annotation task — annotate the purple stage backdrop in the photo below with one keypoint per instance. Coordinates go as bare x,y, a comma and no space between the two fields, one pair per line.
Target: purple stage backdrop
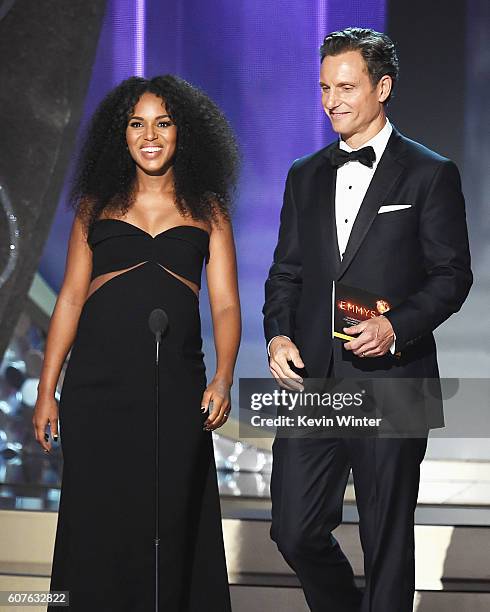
260,63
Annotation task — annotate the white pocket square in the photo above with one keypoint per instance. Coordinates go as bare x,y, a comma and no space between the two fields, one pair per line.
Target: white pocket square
392,207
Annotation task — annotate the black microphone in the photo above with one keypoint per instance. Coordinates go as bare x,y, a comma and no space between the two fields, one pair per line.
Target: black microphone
158,323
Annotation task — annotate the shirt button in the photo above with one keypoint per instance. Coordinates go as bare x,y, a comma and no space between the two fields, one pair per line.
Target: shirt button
347,220
350,186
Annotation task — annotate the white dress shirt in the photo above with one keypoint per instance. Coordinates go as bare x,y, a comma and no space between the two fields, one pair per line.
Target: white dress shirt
353,179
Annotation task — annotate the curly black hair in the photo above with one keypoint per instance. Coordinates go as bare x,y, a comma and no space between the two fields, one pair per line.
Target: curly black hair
205,166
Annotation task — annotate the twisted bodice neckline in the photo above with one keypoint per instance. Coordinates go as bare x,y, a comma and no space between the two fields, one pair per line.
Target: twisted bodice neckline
165,231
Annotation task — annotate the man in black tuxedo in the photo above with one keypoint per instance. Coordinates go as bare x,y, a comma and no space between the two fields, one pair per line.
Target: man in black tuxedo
383,213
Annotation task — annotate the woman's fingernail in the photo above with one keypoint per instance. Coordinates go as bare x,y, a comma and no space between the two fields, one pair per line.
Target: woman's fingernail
46,450
203,408
55,438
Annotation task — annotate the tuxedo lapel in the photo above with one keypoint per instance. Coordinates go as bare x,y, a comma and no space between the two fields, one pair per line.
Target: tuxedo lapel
383,181
324,180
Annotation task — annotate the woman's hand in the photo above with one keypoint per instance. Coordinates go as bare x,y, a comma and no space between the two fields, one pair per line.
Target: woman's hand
45,411
217,398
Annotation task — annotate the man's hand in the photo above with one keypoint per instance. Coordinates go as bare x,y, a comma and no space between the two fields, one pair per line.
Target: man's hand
376,337
281,351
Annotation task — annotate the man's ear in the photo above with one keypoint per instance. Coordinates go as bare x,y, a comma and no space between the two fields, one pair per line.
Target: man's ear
385,85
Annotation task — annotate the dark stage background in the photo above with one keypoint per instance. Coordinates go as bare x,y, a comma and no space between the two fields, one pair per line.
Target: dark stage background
260,63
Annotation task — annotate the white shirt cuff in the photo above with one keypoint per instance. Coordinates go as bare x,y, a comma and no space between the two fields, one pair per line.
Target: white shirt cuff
392,347
269,343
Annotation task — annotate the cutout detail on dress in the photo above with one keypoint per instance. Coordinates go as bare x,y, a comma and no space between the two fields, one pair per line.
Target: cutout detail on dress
102,279
97,282
192,286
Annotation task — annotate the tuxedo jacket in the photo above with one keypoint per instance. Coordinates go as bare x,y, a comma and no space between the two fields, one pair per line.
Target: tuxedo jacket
417,257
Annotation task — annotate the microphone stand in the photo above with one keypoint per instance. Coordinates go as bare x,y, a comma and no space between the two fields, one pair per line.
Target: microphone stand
157,322
158,337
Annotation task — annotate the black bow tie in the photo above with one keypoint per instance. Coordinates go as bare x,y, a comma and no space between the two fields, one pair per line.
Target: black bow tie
339,157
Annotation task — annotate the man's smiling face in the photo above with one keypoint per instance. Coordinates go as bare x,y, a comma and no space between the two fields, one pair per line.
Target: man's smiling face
349,98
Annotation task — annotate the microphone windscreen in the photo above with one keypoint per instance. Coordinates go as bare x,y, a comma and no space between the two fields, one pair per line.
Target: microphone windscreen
158,320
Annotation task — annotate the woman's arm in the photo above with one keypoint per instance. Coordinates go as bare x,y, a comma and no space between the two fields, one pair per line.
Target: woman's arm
222,283
62,330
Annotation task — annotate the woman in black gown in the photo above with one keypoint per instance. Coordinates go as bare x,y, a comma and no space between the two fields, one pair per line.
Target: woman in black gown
152,197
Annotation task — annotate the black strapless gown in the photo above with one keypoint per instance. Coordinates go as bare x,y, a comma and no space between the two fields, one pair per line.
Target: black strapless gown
104,550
